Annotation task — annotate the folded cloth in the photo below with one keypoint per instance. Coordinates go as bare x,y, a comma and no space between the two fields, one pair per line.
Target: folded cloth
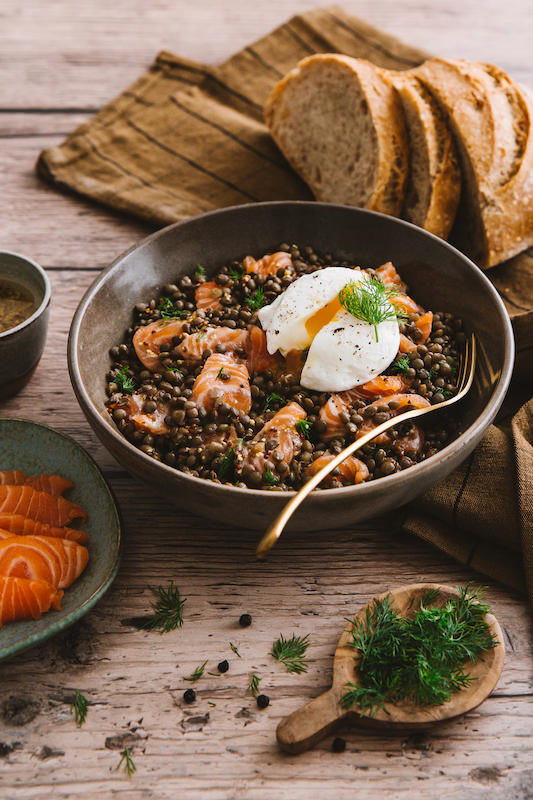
187,138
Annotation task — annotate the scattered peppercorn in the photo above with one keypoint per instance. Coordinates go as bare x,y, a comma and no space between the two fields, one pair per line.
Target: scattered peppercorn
189,695
245,620
262,700
223,666
339,745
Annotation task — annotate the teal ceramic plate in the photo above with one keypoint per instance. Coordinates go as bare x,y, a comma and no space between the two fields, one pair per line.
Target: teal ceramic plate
37,448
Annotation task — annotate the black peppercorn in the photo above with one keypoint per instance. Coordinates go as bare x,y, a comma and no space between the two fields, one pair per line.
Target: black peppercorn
189,695
339,745
223,666
245,620
262,700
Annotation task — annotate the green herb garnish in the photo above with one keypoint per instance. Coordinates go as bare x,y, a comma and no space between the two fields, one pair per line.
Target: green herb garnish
201,334
197,674
200,271
431,374
177,370
271,399
167,608
303,426
123,381
371,301
236,272
79,707
402,365
256,301
291,653
235,650
253,686
209,703
271,478
168,310
220,373
226,463
129,766
418,659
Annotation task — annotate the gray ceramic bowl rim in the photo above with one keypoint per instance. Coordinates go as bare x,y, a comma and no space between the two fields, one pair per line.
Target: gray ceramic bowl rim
372,488
89,602
45,300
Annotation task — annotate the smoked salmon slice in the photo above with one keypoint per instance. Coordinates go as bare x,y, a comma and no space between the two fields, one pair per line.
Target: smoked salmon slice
268,265
258,358
147,341
222,379
52,484
41,506
207,295
56,561
351,470
23,598
383,385
389,276
194,344
153,422
279,436
23,526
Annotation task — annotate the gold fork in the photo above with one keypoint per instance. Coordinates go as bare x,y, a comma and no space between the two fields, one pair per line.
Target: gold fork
464,382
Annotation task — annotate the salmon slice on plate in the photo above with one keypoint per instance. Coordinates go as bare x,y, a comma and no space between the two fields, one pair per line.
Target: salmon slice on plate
41,506
23,598
56,561
24,526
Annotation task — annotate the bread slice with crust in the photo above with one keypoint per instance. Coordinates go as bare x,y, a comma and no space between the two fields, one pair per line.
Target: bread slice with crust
434,182
340,124
491,118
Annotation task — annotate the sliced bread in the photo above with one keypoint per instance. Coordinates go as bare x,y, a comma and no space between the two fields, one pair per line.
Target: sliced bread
339,123
490,117
434,181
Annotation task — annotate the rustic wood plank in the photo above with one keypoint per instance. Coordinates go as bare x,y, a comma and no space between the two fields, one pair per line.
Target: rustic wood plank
82,42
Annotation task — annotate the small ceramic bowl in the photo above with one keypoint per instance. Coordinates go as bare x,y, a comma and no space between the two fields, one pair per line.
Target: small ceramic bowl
21,347
439,276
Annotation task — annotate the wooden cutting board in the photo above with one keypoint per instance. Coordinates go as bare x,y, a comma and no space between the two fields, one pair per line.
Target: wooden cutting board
311,723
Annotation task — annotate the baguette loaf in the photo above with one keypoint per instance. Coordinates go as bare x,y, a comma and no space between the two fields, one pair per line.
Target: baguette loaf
490,116
434,181
339,123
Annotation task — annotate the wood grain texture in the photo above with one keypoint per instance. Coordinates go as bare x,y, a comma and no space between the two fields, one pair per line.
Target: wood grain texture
69,59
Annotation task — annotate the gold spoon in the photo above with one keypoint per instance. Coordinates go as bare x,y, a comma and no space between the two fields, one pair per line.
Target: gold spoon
464,382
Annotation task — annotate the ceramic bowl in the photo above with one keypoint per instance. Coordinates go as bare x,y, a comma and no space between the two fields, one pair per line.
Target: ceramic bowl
21,347
440,278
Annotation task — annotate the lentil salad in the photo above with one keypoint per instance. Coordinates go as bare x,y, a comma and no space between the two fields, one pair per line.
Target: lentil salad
277,432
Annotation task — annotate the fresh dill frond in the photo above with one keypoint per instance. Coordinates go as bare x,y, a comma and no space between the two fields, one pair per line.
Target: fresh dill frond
419,659
371,301
271,478
303,426
253,686
236,272
401,365
291,653
257,300
168,310
177,370
226,463
123,381
220,373
200,271
168,609
129,765
209,703
446,394
431,374
79,707
235,650
201,334
197,674
271,400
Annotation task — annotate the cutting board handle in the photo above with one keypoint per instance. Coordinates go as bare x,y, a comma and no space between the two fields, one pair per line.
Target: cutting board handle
309,724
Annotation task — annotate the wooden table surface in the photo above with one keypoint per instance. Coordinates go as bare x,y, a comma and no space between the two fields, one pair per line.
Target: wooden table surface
59,62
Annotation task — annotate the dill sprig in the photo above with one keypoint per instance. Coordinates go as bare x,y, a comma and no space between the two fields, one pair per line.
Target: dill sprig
303,426
419,659
371,301
291,653
123,381
233,647
253,686
197,674
257,300
79,707
227,460
271,478
401,365
236,273
168,609
271,400
168,310
200,271
129,766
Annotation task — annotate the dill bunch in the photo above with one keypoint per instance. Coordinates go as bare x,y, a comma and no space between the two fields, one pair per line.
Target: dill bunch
371,301
419,659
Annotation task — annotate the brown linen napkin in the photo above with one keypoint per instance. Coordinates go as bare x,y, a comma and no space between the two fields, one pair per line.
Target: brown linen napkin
187,138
